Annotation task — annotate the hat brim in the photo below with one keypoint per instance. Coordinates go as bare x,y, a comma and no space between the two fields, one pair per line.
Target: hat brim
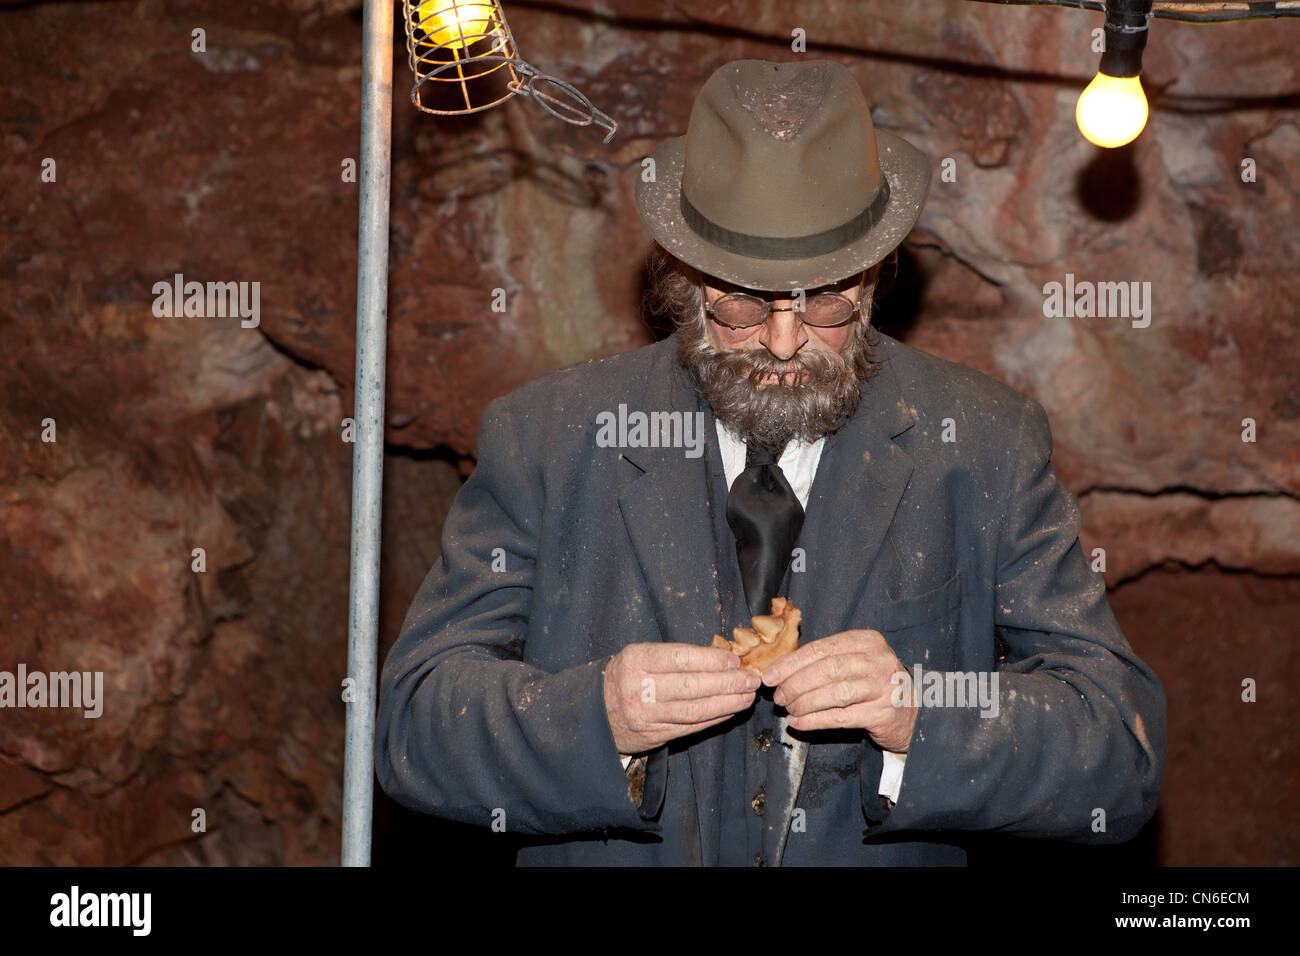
905,167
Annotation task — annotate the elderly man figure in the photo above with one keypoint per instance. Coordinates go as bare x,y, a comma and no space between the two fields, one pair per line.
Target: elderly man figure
958,667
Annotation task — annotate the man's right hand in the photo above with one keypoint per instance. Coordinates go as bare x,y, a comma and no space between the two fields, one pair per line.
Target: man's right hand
655,693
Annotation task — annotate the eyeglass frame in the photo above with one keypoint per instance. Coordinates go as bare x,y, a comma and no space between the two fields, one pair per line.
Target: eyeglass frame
709,311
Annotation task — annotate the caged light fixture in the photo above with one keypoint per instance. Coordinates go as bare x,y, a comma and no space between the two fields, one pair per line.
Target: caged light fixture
465,60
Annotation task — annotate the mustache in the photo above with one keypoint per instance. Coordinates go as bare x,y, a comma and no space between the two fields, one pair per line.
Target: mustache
809,366
821,396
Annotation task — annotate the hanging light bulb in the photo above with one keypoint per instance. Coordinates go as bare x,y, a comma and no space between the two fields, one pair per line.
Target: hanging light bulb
454,24
1112,110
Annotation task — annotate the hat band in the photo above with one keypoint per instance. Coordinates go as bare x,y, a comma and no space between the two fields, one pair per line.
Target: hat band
792,247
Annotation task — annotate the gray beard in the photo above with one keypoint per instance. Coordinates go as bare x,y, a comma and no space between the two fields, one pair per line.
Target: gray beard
820,398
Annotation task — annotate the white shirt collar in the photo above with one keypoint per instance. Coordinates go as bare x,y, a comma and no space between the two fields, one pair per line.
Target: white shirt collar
798,461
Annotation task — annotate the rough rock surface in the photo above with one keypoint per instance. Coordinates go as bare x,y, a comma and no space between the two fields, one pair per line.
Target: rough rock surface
222,686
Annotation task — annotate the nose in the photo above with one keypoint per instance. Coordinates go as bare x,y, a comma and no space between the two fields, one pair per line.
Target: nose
783,333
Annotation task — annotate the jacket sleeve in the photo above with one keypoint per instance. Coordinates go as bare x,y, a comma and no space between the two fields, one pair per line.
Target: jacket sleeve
468,731
1078,742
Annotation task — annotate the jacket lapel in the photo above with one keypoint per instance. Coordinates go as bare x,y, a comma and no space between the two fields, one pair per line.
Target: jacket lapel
860,480
666,512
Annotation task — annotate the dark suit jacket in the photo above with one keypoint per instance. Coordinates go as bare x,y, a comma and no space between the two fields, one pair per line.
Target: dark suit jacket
962,553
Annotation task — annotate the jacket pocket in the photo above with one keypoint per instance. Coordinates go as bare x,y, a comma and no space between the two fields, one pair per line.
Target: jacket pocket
908,612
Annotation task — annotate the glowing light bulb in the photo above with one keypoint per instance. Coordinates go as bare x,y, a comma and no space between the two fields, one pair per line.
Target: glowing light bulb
456,24
1111,110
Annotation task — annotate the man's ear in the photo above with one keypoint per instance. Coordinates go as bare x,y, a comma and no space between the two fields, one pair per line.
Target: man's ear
886,271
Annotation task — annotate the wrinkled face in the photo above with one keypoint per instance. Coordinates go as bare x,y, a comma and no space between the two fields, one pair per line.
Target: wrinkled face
781,379
783,335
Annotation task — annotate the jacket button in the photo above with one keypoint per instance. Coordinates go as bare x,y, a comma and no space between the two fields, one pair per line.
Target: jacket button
763,740
759,801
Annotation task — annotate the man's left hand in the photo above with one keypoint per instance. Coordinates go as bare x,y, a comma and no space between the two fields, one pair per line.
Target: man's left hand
846,681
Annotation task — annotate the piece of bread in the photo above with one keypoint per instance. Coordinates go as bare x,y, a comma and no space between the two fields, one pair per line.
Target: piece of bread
771,637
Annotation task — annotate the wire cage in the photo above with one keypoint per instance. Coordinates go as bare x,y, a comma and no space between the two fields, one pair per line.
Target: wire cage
464,59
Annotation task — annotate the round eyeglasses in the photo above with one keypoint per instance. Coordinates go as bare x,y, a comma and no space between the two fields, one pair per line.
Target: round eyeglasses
743,310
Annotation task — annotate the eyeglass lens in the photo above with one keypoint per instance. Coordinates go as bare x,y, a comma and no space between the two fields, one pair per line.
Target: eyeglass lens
825,308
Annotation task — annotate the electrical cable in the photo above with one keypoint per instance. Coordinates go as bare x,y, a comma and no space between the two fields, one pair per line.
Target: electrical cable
1225,12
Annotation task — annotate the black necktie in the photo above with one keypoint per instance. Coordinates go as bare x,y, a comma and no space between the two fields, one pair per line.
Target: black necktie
765,516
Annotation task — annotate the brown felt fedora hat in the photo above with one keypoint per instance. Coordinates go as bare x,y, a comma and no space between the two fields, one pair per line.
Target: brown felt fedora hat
781,181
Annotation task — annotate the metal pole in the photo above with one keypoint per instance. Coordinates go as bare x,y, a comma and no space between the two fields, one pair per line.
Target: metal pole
368,414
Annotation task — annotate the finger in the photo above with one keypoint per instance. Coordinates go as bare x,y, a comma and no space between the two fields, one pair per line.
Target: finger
680,658
673,731
861,716
697,684
702,709
836,696
845,642
821,672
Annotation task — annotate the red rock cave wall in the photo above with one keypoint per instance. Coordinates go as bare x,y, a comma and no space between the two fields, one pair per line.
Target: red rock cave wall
222,686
